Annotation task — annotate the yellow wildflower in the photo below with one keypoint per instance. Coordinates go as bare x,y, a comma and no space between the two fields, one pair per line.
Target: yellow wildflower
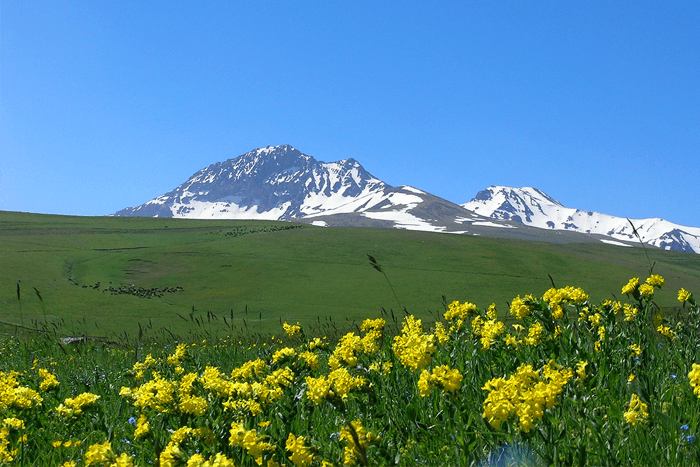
460,310
490,332
519,308
646,290
72,407
666,331
636,350
581,370
283,353
413,348
630,312
449,380
656,280
441,333
301,454
637,412
358,440
694,377
684,295
292,330
179,355
525,395
142,427
534,334
631,286
491,313
49,380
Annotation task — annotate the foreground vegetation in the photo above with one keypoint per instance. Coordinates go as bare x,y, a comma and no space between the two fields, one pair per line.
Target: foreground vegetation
566,381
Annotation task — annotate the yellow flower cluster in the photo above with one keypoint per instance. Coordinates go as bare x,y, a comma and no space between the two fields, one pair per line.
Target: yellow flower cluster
338,383
292,330
631,286
351,346
73,407
301,455
630,312
102,455
460,311
684,295
179,355
158,394
441,333
12,395
413,348
656,280
358,440
556,298
142,427
346,350
218,460
666,331
283,353
254,444
310,358
636,350
48,380
534,334
383,368
442,377
581,367
138,369
525,395
645,290
694,377
173,454
7,454
373,329
520,307
487,331
637,411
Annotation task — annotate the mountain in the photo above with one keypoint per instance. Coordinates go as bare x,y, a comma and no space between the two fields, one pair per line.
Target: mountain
532,207
282,183
277,183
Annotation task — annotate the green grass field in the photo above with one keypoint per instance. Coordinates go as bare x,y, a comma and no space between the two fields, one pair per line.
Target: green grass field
264,272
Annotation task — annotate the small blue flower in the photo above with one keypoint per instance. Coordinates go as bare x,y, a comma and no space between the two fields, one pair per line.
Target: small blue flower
335,435
685,427
673,377
132,420
690,439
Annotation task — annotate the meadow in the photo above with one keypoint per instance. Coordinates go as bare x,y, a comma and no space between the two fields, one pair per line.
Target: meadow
105,276
538,354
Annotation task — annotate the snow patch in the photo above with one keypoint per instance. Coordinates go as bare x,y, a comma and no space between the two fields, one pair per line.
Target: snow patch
414,190
613,242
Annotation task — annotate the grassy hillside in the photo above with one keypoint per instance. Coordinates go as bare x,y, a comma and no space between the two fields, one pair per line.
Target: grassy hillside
265,272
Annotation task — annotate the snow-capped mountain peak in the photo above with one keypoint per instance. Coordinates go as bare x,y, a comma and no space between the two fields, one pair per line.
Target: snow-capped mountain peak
533,207
275,182
282,183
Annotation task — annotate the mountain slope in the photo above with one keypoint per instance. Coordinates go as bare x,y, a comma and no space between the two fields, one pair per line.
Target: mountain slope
281,183
530,206
274,183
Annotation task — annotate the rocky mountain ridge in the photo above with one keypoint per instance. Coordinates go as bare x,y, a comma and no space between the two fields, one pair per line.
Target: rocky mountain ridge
533,207
282,183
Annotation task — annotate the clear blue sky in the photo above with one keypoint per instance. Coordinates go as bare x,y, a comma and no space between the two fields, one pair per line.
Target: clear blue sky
108,104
